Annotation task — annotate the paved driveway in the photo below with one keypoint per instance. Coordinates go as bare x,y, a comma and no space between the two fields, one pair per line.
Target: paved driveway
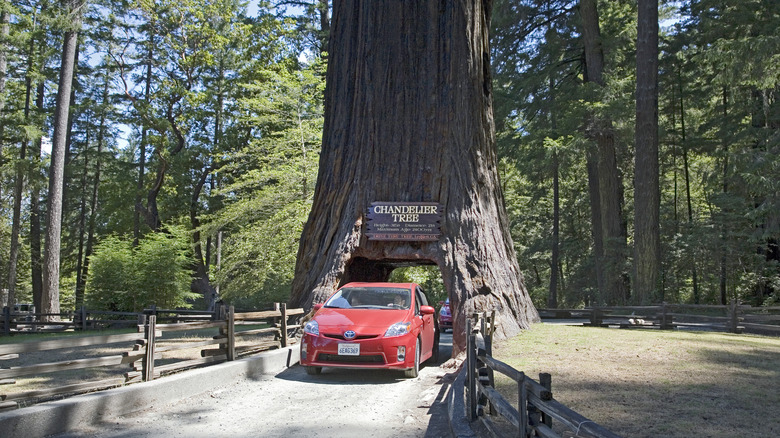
338,402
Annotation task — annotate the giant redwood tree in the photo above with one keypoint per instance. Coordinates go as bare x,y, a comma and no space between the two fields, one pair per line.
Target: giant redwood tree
409,118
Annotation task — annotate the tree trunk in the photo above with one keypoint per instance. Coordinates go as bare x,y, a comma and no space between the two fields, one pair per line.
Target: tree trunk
142,156
687,176
200,282
647,231
723,231
36,265
50,301
13,259
81,276
595,227
554,263
604,168
83,270
4,32
323,10
408,117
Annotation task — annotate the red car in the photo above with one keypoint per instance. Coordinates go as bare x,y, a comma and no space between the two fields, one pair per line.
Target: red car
372,325
445,315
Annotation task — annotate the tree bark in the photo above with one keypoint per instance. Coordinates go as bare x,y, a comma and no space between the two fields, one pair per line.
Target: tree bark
50,301
83,270
200,282
36,264
725,146
554,263
647,231
4,32
13,259
689,200
604,168
408,117
142,155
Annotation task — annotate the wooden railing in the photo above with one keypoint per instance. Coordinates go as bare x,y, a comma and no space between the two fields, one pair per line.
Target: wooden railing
145,358
84,319
733,318
536,408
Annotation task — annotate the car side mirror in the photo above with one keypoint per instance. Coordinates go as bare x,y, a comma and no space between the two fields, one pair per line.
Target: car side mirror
317,307
427,310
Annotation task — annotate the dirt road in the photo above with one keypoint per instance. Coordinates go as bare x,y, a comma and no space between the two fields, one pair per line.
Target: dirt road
338,402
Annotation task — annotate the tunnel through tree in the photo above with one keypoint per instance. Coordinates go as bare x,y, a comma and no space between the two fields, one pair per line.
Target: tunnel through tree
408,119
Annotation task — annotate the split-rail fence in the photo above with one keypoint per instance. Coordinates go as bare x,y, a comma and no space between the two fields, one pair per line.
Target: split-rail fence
535,406
267,330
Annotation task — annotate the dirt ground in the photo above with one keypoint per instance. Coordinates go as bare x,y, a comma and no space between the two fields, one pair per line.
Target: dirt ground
338,402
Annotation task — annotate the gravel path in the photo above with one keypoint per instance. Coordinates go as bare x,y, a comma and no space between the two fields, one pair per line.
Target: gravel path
338,402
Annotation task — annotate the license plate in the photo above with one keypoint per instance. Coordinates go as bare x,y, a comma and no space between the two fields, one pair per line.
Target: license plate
349,349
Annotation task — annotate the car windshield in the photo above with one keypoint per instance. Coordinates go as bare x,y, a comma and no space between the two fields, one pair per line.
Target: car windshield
370,298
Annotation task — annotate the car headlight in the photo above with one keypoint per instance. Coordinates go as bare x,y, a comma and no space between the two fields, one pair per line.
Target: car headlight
398,329
312,328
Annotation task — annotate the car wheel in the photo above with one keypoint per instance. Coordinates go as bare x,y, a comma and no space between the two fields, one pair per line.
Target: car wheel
415,370
435,354
313,371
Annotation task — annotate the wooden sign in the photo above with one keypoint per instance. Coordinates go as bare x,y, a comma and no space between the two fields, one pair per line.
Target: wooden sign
404,221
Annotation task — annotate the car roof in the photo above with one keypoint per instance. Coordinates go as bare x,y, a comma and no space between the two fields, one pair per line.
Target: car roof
379,284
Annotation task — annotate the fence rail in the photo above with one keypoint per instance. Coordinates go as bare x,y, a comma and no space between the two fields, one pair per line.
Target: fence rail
145,356
536,408
733,318
84,319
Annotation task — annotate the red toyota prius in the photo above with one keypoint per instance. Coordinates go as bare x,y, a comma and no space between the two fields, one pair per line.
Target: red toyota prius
372,325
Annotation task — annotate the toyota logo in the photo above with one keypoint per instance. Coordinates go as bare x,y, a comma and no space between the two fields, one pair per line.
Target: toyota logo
349,334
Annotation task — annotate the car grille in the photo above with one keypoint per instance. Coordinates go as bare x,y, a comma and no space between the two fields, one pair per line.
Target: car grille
340,337
367,359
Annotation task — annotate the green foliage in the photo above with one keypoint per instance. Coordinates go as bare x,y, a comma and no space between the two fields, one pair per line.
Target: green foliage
719,81
271,181
429,277
231,104
127,278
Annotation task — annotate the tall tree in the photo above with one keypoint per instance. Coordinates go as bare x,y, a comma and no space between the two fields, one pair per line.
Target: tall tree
408,117
50,300
647,233
604,169
4,49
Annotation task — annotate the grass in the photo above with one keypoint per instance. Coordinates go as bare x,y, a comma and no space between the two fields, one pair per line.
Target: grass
651,383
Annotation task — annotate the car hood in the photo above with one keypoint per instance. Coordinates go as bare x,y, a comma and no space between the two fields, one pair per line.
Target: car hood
362,321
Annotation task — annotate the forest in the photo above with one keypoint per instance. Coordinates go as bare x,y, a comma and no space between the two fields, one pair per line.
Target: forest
160,152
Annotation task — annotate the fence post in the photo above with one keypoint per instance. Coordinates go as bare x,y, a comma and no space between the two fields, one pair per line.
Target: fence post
231,333
665,322
522,406
283,309
83,312
595,317
545,379
734,316
471,371
151,328
7,321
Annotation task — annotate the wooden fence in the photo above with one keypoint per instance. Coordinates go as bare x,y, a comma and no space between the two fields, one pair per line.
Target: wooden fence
733,318
145,357
84,319
536,407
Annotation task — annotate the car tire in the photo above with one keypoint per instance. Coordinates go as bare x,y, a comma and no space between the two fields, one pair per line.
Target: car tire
415,370
313,371
435,354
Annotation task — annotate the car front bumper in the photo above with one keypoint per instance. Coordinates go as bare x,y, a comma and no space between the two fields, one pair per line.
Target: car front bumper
378,352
